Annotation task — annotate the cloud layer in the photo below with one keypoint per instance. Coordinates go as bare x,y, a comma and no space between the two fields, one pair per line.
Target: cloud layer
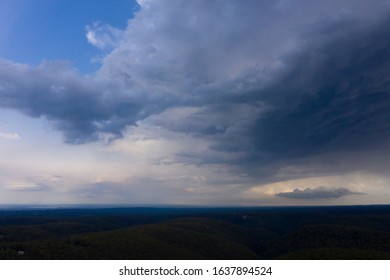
270,90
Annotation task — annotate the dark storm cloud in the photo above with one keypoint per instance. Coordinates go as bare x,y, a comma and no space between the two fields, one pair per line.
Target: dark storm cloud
335,96
327,110
317,193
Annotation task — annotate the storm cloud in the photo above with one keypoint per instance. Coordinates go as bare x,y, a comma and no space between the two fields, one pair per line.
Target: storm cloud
334,97
265,84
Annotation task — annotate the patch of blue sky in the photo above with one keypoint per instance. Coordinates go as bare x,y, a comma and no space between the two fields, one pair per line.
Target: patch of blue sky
36,30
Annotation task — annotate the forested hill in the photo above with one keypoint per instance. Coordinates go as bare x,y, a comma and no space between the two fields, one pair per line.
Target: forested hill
358,232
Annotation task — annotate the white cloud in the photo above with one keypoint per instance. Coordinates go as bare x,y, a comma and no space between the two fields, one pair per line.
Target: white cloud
103,36
10,136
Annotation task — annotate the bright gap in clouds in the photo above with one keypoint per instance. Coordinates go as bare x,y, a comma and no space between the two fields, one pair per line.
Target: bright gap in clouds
197,102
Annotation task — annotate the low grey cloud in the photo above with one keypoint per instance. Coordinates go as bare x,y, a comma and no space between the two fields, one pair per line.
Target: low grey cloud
140,190
318,193
80,107
28,188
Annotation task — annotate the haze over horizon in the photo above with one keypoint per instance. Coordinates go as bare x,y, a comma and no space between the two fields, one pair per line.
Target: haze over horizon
207,102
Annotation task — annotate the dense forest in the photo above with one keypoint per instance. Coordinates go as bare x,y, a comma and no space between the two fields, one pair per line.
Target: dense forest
348,232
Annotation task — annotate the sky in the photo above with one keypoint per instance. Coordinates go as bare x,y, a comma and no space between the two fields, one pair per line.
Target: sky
184,102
